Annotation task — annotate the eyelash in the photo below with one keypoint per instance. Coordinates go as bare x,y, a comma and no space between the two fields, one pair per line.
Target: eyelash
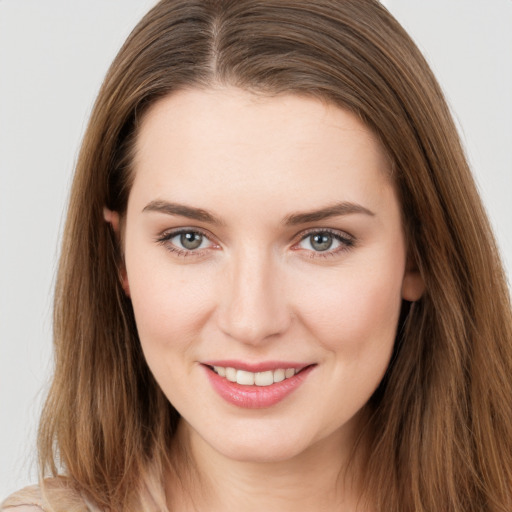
346,241
165,238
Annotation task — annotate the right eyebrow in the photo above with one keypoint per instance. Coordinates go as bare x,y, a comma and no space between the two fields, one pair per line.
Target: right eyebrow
183,211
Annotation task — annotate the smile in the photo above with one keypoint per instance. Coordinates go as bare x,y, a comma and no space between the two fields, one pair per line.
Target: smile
265,386
246,378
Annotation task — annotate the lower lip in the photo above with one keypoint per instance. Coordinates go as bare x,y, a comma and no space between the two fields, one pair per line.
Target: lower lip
256,397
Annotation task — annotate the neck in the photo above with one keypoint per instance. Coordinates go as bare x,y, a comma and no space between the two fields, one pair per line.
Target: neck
323,477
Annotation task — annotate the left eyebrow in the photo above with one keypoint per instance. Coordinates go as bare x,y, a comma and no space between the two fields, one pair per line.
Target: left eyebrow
183,211
335,210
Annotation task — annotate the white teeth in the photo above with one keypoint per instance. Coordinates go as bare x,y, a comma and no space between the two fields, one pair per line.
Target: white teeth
264,378
220,370
279,375
246,378
231,374
289,372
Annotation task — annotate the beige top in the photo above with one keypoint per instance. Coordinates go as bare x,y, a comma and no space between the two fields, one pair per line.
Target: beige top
58,495
26,500
31,499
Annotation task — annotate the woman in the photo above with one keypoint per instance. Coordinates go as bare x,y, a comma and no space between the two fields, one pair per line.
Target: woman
278,287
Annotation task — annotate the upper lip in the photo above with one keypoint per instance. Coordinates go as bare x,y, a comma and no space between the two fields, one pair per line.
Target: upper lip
253,367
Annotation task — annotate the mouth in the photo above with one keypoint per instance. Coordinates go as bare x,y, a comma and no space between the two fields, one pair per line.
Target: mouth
256,386
261,378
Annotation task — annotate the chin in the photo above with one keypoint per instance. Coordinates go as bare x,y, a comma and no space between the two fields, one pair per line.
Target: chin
259,453
271,443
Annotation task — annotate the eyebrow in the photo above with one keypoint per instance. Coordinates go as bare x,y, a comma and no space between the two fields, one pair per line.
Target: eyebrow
183,211
335,210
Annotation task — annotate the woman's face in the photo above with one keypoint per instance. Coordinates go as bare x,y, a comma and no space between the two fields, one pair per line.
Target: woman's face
266,264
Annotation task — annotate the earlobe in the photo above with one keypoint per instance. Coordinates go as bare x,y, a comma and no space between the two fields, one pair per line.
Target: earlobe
413,285
112,218
123,276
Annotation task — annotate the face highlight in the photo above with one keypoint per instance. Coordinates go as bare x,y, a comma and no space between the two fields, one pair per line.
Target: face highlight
266,263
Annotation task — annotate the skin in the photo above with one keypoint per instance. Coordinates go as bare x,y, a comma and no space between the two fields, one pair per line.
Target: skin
257,289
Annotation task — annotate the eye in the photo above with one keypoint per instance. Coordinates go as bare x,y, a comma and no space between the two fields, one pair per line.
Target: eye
189,240
185,241
320,241
325,241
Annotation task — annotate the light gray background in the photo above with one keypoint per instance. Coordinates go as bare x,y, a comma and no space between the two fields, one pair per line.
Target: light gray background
53,56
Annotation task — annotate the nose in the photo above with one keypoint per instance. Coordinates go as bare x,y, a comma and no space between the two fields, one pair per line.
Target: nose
253,305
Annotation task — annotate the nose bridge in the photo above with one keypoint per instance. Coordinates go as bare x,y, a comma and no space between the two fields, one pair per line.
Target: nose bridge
254,303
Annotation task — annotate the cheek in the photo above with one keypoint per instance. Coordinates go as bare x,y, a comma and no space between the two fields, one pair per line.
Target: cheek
355,323
354,310
169,312
169,306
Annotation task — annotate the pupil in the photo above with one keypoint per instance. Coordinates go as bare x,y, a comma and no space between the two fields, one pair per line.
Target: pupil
191,240
321,241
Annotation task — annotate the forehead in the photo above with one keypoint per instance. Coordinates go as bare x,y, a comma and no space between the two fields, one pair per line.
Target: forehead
227,141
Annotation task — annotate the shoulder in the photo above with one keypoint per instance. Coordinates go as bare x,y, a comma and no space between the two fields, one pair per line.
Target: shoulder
26,500
55,495
22,508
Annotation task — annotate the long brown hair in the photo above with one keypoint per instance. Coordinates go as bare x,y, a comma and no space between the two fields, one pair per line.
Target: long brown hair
440,424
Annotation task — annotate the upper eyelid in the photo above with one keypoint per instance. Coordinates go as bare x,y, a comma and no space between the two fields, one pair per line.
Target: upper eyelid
300,235
168,234
171,233
341,233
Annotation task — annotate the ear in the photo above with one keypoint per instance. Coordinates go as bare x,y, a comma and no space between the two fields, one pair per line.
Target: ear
413,285
112,218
